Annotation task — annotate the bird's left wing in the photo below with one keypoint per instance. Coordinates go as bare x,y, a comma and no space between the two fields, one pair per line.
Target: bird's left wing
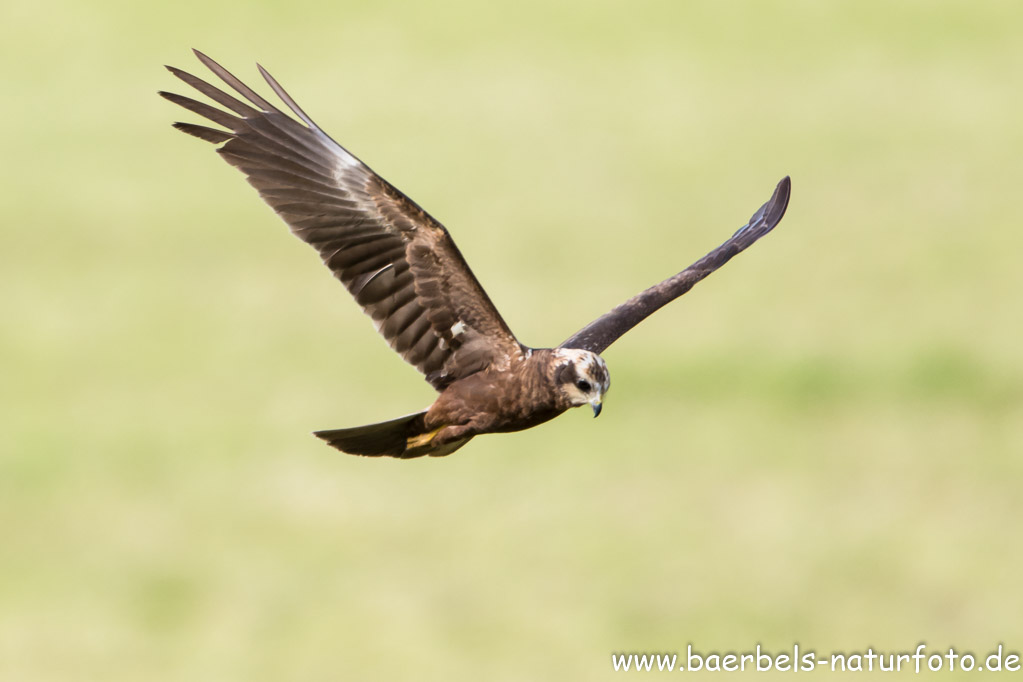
605,330
398,263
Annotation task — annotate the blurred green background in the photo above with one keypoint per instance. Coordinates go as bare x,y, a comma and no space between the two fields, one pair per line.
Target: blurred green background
820,444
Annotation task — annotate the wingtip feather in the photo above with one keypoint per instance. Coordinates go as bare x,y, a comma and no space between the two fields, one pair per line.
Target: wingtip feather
204,133
780,201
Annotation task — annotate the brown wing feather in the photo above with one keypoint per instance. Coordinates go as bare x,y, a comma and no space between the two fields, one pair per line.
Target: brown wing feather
399,263
608,328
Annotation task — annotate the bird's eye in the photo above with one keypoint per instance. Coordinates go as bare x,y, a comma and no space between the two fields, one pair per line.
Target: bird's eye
583,385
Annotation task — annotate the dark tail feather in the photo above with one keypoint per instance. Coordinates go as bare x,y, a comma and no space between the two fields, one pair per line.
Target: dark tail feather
404,437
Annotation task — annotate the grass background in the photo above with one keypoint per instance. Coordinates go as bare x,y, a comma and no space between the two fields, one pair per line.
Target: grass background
820,444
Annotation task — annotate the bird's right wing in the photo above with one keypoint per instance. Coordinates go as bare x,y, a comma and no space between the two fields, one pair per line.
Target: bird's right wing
399,263
605,330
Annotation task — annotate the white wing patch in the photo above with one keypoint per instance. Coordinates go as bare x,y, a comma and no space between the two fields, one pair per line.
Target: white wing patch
457,328
346,169
345,161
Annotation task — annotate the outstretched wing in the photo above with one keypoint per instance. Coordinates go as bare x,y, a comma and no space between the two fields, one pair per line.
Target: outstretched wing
398,262
605,330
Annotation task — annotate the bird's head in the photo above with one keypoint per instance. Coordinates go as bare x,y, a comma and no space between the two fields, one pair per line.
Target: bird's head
582,377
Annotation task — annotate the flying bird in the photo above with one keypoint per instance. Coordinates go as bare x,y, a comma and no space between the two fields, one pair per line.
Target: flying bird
405,271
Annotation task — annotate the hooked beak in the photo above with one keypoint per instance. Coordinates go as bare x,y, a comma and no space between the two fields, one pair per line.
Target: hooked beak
597,406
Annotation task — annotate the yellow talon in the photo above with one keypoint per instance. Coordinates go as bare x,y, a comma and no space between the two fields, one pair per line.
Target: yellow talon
422,439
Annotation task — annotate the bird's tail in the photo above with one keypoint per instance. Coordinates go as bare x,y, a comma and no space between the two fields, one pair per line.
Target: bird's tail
405,437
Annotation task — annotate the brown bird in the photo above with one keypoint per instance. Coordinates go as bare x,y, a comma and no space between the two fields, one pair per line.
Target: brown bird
405,271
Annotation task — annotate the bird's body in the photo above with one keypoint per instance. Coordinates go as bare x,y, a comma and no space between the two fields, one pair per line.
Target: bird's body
533,387
498,400
405,271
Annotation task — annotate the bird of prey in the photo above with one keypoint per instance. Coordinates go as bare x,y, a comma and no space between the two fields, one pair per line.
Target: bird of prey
405,271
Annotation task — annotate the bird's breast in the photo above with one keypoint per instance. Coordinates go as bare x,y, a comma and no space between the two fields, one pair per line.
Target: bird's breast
502,400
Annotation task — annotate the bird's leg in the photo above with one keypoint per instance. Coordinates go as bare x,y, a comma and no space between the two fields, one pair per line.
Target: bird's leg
449,434
422,439
440,436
